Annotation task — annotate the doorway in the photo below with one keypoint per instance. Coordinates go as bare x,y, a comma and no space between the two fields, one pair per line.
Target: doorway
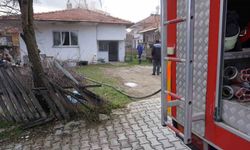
113,51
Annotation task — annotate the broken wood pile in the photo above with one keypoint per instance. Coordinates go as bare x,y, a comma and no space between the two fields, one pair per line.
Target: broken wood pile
21,102
17,103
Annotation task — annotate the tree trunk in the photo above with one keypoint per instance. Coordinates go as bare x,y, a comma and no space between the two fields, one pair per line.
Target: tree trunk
28,35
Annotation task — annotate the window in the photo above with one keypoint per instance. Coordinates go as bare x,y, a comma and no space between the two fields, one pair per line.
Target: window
65,38
103,46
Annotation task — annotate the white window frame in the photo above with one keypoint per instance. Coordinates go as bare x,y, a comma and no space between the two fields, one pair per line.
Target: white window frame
66,46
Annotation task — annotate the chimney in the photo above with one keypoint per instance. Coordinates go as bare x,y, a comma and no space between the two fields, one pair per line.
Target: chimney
69,5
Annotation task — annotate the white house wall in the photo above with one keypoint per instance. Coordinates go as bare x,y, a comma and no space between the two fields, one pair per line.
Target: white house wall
117,33
88,35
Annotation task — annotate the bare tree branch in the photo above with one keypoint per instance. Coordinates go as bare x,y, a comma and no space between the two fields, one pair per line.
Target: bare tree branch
9,7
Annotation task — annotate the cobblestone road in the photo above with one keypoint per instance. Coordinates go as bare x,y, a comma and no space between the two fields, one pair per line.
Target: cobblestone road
137,127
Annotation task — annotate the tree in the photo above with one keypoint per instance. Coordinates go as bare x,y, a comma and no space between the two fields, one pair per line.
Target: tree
28,34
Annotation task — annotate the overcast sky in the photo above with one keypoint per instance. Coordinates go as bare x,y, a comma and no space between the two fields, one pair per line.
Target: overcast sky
133,10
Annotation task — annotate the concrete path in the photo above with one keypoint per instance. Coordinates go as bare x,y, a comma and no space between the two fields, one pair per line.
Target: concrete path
137,127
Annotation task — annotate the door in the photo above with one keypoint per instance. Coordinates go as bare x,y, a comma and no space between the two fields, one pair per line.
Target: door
113,51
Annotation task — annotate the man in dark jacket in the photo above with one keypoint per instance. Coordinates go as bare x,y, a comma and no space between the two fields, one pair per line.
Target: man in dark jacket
156,57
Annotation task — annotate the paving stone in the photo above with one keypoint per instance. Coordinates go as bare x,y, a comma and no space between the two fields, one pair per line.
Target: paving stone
101,128
135,127
154,142
76,136
111,135
95,146
146,146
119,130
139,128
147,119
132,138
114,142
136,145
102,134
75,147
124,144
122,137
149,135
158,147
129,132
155,130
160,136
143,140
172,138
110,128
115,148
105,147
66,147
145,128
166,143
76,142
94,139
179,145
131,121
84,136
103,140
93,132
126,126
85,144
130,148
56,146
124,120
85,148
47,144
139,133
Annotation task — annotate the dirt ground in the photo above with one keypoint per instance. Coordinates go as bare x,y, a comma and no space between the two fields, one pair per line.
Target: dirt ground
141,75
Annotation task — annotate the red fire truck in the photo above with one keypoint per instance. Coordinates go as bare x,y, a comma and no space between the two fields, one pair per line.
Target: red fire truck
206,75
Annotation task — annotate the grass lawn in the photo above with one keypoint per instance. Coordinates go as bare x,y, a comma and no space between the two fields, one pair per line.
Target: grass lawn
96,72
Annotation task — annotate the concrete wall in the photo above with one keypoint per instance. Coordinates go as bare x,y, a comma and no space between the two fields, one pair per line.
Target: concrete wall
88,36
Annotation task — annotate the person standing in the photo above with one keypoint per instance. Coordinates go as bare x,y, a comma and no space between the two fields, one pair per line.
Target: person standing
156,57
140,51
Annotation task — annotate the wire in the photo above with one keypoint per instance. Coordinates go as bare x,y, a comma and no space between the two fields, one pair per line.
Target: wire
121,92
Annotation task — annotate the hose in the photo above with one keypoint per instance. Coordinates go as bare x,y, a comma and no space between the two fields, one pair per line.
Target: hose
121,92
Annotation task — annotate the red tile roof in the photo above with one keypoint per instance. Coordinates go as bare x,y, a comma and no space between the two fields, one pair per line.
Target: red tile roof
150,23
76,15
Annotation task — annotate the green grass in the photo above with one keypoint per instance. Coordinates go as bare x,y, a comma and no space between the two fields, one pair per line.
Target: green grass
96,72
12,130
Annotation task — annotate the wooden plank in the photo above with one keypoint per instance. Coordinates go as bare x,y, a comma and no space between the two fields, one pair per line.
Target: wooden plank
30,94
55,98
12,97
52,105
18,95
8,102
5,110
30,110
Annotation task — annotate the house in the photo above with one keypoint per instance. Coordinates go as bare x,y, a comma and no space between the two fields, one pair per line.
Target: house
146,31
78,35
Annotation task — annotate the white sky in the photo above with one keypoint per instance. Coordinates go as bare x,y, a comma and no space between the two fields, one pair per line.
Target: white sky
132,10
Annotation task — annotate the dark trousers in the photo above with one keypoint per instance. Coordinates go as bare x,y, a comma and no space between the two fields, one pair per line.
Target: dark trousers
139,58
156,66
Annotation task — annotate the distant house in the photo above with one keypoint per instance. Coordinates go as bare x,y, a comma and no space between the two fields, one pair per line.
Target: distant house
146,31
78,34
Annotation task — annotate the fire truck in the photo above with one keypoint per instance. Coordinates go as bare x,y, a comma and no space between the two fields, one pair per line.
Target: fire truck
205,78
